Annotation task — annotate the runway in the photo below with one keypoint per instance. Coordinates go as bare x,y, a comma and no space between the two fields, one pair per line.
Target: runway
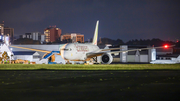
44,85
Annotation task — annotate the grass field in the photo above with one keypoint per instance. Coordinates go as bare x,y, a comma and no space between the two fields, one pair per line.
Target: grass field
90,67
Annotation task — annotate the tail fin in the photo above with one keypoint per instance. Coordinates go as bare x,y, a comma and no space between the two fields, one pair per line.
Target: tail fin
95,34
178,57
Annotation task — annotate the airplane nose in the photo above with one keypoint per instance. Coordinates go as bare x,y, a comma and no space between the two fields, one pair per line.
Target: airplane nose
61,49
61,46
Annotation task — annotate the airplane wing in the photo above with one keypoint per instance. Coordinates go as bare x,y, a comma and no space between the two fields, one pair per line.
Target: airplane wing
109,49
100,52
140,49
32,49
94,54
91,54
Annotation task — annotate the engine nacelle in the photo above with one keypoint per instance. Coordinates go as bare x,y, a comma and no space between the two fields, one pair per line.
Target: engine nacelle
106,58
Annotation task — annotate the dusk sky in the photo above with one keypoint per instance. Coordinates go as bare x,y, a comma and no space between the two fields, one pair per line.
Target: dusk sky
123,19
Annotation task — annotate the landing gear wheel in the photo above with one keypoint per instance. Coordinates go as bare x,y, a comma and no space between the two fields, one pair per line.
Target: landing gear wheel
68,62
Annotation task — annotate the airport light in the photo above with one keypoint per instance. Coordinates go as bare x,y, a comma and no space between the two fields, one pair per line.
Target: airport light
166,46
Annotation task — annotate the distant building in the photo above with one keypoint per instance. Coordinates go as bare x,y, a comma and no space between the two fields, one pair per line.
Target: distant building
31,56
52,34
34,36
7,31
28,35
42,38
75,37
65,36
2,29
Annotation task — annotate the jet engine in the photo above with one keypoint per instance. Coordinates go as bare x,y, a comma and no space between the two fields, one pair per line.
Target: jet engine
106,58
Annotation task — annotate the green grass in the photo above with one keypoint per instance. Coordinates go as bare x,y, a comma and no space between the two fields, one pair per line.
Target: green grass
90,67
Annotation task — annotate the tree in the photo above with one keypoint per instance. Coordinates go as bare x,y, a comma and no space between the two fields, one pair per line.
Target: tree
178,44
67,41
119,42
26,41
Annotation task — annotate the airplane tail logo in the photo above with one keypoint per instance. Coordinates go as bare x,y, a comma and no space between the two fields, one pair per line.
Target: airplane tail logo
95,34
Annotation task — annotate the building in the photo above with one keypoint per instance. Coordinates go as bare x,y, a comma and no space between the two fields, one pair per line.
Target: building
52,34
1,29
65,36
27,35
75,37
138,56
9,32
31,56
35,36
42,38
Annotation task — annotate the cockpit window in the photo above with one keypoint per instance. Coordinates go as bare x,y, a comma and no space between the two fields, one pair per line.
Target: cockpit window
66,49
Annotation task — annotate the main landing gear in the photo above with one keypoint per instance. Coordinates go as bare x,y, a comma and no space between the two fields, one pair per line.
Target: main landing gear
91,61
67,62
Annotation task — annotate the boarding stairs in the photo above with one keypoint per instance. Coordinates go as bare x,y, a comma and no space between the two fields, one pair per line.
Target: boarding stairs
50,54
44,60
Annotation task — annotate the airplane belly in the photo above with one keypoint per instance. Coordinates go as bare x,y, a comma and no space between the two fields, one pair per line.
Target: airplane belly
81,57
73,56
67,56
78,57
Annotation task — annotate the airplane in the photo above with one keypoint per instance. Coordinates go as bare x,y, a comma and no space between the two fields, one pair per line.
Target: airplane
172,61
88,51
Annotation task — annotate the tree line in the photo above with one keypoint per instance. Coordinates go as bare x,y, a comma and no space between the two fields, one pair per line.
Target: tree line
150,42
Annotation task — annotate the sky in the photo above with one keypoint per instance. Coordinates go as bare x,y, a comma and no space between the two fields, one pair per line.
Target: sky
118,19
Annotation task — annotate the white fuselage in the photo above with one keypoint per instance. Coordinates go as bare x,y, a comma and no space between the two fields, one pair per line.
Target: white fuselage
77,51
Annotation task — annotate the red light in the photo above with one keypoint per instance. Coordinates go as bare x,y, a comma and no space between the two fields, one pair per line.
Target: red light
165,46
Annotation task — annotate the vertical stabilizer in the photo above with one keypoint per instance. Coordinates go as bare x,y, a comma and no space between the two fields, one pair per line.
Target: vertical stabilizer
95,34
178,57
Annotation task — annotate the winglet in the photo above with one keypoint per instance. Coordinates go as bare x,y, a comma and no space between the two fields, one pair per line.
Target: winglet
95,34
